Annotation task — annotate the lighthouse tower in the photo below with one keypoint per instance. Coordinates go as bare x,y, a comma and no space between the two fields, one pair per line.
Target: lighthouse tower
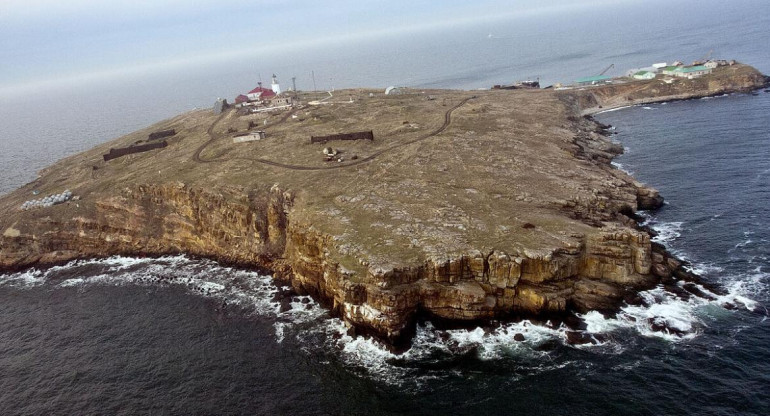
275,86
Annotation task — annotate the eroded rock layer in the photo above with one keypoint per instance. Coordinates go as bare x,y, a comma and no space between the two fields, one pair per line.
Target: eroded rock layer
466,206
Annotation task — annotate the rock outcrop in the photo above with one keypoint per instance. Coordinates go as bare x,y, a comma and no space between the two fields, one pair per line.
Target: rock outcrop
509,208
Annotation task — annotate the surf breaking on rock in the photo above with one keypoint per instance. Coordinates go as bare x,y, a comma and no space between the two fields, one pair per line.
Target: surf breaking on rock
510,209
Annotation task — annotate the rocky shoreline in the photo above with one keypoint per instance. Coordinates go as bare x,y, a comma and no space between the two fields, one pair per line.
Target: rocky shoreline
508,209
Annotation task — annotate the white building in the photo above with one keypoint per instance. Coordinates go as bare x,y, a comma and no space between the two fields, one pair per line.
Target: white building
276,88
644,75
660,65
691,72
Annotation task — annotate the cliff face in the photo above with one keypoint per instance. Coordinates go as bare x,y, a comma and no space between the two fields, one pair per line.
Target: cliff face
509,207
232,225
256,228
475,286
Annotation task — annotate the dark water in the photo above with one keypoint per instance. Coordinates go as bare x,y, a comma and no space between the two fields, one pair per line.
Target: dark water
183,336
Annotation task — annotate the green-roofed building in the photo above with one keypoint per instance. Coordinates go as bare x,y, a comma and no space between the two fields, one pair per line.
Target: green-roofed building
644,75
594,80
691,72
670,70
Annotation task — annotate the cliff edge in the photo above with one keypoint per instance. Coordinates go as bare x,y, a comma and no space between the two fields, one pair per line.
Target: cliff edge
465,206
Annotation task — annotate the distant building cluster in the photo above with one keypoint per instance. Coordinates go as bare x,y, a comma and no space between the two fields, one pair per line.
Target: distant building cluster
676,70
264,99
47,201
679,70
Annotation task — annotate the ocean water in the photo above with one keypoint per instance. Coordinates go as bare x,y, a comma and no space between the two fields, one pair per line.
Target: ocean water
184,336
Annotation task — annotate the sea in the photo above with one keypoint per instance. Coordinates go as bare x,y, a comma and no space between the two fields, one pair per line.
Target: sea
183,336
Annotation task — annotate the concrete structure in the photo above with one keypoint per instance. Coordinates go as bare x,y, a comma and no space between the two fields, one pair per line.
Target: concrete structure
594,80
361,135
711,64
139,148
280,101
251,136
161,134
644,75
220,105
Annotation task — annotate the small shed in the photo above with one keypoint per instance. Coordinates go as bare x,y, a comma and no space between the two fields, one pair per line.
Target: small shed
251,136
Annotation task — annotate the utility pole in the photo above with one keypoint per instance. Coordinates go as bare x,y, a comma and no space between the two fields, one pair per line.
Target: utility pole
312,74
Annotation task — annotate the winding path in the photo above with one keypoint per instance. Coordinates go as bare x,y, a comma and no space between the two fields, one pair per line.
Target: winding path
439,130
210,131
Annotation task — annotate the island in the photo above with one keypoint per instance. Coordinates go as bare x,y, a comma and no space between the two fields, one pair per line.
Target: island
458,206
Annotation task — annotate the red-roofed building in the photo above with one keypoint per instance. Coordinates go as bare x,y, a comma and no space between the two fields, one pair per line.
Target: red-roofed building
241,99
259,93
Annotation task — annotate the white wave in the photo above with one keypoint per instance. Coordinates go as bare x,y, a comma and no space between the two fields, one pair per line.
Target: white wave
665,315
741,289
620,166
279,331
431,345
201,277
499,342
72,282
701,269
667,231
614,109
303,309
27,279
715,96
662,315
648,108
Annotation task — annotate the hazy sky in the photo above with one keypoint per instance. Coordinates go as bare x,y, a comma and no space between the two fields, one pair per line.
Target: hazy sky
53,39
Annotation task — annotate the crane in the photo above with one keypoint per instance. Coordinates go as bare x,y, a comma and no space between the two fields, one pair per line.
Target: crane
607,69
705,59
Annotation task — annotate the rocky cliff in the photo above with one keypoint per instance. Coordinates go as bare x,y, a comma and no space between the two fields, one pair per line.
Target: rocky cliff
464,207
